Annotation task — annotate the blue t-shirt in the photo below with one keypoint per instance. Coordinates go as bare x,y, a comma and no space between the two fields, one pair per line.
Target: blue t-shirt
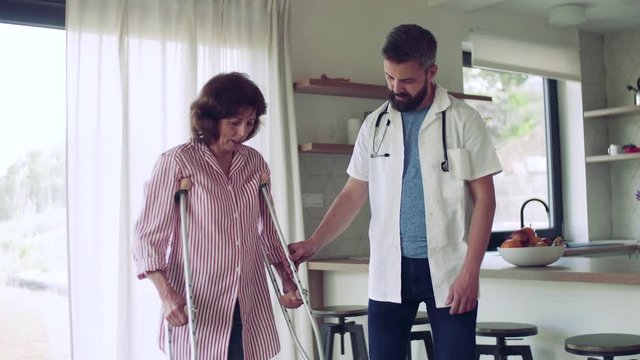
413,227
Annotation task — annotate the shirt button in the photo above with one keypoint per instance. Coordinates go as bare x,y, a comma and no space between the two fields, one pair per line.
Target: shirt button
235,215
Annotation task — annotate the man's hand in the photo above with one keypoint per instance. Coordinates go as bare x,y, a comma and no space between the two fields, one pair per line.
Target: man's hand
302,251
463,294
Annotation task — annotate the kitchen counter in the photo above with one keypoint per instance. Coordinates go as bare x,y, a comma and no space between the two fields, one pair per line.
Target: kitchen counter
574,295
568,268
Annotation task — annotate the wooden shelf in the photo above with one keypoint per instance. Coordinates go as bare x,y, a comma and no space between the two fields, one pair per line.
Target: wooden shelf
324,148
610,112
610,158
351,89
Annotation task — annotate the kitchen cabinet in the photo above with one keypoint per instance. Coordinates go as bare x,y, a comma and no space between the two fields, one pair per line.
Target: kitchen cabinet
337,87
611,113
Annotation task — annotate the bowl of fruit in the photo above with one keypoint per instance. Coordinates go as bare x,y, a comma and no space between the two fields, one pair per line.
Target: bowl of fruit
525,248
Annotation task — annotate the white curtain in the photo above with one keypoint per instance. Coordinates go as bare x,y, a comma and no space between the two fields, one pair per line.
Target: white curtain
133,68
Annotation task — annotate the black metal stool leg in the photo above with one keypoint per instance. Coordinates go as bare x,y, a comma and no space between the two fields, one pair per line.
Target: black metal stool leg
328,340
358,343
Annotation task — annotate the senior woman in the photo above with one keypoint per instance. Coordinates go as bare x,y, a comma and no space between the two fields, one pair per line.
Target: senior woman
230,229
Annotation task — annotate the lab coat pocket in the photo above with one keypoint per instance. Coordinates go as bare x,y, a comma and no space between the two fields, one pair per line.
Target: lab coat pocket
459,164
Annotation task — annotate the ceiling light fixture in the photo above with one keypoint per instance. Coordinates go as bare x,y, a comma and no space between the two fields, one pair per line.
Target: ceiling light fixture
567,15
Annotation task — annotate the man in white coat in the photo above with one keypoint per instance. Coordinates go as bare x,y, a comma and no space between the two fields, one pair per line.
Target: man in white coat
426,162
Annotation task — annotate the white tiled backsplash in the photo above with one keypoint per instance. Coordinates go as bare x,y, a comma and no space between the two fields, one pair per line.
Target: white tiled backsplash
609,63
326,175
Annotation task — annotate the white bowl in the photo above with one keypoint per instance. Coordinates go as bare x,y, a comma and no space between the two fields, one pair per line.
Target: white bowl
532,256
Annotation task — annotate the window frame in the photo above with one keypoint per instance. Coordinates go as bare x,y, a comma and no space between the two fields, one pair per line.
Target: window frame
38,13
554,169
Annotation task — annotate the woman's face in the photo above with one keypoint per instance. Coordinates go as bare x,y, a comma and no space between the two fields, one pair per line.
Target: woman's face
234,130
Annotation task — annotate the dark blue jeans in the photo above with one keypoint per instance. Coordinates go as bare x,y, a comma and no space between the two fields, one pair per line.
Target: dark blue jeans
390,323
235,342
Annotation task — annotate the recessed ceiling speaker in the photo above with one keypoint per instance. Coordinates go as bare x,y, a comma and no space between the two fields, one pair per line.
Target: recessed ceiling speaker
567,15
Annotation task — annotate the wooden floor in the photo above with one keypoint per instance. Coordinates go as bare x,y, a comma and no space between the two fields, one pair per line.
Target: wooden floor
34,325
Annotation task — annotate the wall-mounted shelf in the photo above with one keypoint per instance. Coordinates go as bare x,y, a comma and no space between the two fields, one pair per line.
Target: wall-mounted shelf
324,148
610,112
610,158
351,89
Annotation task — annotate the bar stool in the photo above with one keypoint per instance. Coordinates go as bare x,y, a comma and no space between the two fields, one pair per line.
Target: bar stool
425,335
606,345
503,331
358,344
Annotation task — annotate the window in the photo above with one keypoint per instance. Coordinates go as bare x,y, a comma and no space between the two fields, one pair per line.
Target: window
33,241
523,121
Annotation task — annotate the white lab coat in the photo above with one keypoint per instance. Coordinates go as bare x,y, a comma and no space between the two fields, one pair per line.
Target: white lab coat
447,200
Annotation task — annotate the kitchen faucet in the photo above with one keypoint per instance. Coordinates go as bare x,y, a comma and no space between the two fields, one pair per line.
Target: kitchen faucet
546,207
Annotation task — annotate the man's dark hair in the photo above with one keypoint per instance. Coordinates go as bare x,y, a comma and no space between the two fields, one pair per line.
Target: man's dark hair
410,42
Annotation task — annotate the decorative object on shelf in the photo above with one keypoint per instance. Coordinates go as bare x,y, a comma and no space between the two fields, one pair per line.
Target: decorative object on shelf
614,149
630,148
339,79
636,90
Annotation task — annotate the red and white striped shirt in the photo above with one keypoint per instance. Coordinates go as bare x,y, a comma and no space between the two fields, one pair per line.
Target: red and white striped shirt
229,226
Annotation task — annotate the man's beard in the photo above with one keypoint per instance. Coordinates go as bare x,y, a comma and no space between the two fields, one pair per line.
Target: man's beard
412,102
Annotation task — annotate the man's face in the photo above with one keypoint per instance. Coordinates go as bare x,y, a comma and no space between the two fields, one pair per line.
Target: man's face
408,84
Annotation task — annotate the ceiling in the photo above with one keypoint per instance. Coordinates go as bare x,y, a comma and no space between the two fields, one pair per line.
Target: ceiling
602,15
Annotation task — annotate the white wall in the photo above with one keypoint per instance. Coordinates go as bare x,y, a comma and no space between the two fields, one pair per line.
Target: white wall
574,187
343,38
609,64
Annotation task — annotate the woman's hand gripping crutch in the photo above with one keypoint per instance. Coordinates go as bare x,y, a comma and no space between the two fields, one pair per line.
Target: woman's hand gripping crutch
181,198
294,273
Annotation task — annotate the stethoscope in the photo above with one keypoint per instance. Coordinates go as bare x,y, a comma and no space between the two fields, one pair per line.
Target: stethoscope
375,151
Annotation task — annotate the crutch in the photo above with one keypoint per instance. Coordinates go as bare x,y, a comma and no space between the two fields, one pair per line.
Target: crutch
303,292
181,198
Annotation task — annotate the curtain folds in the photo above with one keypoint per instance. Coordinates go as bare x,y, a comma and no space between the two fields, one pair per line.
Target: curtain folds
134,66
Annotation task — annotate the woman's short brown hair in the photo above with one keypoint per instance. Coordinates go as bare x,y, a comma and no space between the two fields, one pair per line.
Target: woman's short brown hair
222,97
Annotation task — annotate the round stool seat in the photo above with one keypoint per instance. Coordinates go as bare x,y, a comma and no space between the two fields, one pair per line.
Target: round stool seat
605,344
356,331
505,329
340,311
421,318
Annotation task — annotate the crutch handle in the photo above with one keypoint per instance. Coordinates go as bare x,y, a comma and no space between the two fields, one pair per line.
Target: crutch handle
264,179
185,186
